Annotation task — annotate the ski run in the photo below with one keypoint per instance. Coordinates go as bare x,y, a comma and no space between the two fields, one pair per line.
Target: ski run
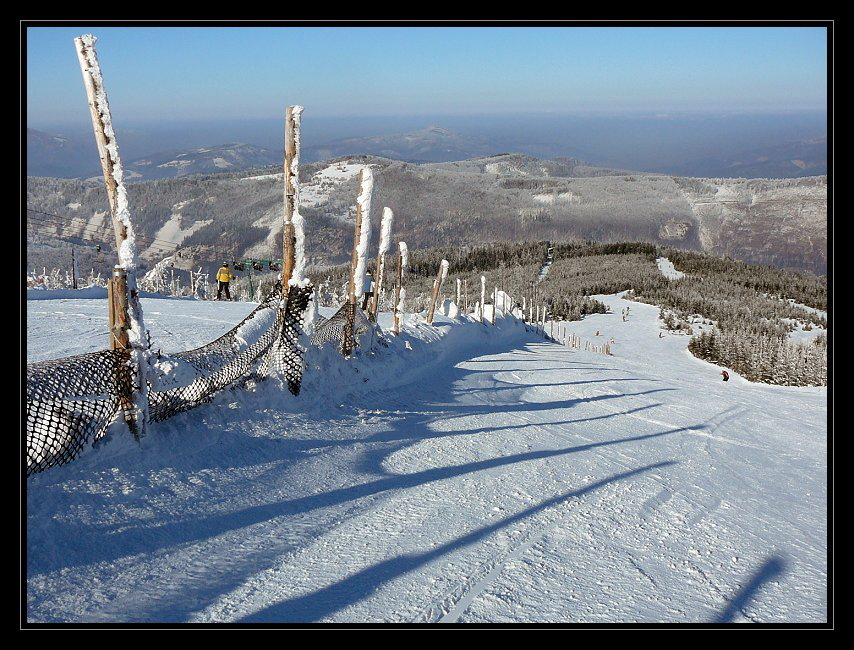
463,473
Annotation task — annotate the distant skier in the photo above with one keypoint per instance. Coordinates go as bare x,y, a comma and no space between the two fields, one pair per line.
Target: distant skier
369,290
725,375
223,276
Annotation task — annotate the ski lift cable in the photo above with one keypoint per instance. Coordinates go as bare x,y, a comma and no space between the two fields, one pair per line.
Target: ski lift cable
92,229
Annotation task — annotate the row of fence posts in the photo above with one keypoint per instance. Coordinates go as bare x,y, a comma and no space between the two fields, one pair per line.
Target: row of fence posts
537,315
122,295
123,298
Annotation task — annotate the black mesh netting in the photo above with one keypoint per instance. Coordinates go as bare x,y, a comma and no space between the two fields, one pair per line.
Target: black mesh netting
332,329
72,401
69,401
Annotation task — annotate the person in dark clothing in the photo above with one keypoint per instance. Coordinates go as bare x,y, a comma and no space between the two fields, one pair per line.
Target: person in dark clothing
725,375
369,290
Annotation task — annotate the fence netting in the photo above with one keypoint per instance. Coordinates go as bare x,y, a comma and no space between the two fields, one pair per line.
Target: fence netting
332,328
72,401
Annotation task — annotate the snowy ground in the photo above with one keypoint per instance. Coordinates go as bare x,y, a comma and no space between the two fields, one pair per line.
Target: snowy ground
463,474
667,268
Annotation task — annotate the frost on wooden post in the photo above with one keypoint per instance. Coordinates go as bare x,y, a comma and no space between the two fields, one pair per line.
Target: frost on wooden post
437,287
102,121
297,278
401,301
482,296
494,304
385,231
364,203
402,263
385,244
105,136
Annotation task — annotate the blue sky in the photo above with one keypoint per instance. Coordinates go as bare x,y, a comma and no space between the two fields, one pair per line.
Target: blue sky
199,72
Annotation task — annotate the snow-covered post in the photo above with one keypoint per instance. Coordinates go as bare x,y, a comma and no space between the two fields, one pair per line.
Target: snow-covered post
459,283
361,240
482,296
400,293
73,270
437,287
385,244
291,239
494,303
128,331
466,294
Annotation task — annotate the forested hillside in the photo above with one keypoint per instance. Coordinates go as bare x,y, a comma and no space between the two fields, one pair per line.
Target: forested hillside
507,198
770,325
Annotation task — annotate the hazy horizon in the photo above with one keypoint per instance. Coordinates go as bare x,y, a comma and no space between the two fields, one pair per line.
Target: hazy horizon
636,96
631,141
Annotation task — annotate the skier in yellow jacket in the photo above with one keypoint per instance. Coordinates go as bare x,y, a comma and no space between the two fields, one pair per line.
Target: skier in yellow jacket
223,276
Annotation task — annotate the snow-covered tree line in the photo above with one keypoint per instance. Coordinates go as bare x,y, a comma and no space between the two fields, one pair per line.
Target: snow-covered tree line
162,279
765,359
62,279
802,287
754,309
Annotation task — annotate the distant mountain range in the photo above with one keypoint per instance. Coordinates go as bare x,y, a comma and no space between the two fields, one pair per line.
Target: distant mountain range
64,157
206,160
60,156
787,160
432,144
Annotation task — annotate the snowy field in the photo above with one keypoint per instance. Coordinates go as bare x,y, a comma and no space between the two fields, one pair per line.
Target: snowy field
463,474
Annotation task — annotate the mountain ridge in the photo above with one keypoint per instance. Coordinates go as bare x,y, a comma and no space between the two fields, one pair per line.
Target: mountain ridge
508,197
76,157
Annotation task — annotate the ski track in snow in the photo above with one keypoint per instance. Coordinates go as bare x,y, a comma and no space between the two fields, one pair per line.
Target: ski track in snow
493,478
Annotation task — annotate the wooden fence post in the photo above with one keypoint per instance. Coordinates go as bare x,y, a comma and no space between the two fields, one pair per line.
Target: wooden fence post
437,287
402,261
290,199
482,297
119,321
125,310
360,246
385,242
92,82
466,294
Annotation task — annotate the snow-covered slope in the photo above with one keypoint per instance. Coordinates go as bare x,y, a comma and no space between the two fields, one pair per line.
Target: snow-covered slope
462,473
